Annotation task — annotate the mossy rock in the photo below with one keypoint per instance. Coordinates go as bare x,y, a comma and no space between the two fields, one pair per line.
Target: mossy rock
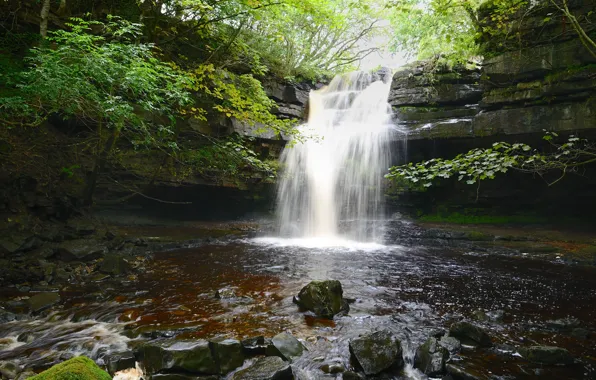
79,368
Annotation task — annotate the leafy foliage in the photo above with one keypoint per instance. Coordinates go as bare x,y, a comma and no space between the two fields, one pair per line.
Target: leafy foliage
447,28
482,164
104,79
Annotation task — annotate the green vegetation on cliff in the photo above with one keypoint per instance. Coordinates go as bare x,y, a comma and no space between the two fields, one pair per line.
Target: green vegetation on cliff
83,93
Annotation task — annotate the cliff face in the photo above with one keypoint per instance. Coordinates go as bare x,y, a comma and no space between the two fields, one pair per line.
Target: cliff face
542,79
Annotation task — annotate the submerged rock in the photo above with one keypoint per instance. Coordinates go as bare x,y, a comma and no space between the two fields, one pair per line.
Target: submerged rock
43,301
225,293
468,331
548,355
181,376
430,358
268,368
285,346
377,352
460,373
80,368
324,298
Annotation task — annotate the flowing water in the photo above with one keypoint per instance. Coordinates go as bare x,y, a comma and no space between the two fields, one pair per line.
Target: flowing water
336,174
412,289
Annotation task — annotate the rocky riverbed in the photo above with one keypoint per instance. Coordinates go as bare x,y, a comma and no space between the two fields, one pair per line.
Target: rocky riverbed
218,300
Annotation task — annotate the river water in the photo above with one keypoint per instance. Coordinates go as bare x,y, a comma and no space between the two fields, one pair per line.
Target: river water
412,289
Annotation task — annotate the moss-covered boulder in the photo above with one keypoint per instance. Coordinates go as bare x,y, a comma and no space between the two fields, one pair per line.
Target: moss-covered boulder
431,357
377,352
324,298
79,368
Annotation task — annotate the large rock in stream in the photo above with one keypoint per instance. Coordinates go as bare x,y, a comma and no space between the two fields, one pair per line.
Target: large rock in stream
377,352
431,357
268,368
285,346
191,357
324,298
470,333
547,355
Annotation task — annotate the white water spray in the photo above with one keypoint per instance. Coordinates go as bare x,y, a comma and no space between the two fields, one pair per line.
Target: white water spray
332,183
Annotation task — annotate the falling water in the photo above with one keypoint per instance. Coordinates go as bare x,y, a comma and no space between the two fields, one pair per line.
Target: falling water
332,183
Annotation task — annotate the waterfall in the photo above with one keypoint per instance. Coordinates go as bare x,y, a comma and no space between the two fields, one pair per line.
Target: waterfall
332,179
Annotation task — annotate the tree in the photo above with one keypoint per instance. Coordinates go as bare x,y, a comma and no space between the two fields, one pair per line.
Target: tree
108,81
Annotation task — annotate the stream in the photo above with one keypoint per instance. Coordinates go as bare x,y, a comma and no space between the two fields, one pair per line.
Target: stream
413,290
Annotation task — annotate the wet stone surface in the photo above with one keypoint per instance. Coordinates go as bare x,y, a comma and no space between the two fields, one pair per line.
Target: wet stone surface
417,290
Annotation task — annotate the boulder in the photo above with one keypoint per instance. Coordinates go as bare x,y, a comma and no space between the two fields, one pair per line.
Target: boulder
192,357
80,250
43,301
8,370
268,368
80,368
451,344
324,298
547,355
228,355
255,346
431,357
285,346
119,361
377,352
467,331
115,265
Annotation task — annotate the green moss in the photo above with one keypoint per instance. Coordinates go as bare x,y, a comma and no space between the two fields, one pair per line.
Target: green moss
457,218
79,368
569,72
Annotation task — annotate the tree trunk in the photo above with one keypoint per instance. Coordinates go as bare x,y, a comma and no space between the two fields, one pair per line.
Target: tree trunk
100,163
45,12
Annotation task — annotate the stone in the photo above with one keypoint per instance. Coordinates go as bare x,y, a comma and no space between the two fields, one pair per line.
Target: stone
225,293
115,264
431,357
80,368
43,301
333,368
8,370
324,298
480,315
547,355
119,361
285,346
192,357
80,250
467,331
228,355
267,368
377,352
255,346
30,244
451,344
7,316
